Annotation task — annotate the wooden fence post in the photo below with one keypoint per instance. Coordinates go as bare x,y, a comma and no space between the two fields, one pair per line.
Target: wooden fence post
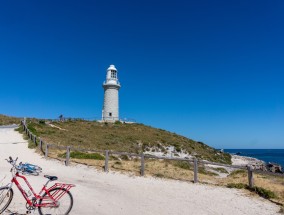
35,139
106,161
40,143
142,170
195,180
46,150
250,177
67,155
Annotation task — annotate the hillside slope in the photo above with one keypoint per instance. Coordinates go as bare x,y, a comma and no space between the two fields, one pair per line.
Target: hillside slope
133,138
8,120
110,194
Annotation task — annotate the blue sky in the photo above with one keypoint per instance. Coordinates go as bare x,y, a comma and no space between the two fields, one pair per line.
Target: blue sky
209,70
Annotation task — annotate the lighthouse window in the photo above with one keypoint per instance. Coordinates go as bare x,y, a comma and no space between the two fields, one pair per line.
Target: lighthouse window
109,114
113,73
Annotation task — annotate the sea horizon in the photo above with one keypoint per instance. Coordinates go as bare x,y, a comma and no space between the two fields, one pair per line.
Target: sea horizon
266,155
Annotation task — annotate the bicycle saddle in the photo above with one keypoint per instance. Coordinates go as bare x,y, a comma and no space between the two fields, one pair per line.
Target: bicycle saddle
51,178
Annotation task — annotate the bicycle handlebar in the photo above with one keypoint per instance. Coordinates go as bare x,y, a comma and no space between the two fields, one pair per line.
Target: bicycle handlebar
11,161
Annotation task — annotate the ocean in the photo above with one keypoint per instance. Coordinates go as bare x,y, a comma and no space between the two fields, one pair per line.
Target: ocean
267,155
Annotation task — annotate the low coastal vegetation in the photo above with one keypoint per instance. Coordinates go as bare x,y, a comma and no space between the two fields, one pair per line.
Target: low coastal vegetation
8,120
131,138
266,186
265,193
281,210
137,138
221,170
81,155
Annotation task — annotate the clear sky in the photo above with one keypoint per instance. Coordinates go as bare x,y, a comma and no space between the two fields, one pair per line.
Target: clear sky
210,70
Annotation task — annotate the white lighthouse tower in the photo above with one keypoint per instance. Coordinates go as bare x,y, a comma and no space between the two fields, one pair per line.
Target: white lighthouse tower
111,86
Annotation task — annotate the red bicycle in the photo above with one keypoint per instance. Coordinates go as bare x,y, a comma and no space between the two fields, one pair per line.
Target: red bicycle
56,199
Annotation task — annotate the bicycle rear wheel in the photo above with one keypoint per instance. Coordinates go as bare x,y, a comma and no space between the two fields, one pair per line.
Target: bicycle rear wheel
32,166
6,196
64,204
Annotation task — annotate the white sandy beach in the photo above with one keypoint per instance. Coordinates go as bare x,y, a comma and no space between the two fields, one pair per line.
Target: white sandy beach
112,193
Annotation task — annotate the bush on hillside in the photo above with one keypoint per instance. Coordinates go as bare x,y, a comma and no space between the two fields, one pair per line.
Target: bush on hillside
265,193
237,185
238,172
81,155
183,165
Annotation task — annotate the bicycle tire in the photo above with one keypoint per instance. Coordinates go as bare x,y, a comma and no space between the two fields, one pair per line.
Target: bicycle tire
3,195
34,167
37,168
34,173
26,172
50,210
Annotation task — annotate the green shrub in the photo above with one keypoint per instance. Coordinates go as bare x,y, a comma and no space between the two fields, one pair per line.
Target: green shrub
117,122
31,128
41,122
81,155
178,149
159,175
118,163
113,157
202,170
19,129
124,157
281,210
237,185
237,172
222,170
268,194
183,165
31,144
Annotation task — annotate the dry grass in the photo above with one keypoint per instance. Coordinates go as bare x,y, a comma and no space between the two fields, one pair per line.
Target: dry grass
8,120
281,210
272,183
156,168
170,170
132,138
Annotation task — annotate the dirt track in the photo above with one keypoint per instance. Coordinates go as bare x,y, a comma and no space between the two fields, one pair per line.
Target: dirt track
112,193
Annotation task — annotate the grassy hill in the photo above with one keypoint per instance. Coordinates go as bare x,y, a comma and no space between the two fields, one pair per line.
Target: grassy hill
137,138
133,138
8,120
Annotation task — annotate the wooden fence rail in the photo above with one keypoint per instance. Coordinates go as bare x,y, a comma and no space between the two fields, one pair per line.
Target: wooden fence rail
142,157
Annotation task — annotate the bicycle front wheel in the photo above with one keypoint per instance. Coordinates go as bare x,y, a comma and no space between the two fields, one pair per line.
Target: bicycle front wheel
63,205
6,196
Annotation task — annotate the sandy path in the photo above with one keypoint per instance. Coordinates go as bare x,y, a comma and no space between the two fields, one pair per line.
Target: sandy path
112,193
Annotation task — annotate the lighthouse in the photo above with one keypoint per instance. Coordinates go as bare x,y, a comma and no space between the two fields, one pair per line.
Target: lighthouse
111,86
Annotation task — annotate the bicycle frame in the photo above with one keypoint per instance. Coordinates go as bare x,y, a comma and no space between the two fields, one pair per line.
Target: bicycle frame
50,200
